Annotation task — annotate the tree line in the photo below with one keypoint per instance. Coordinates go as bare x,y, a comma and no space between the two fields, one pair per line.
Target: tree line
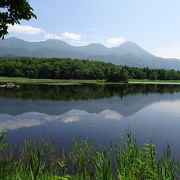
63,68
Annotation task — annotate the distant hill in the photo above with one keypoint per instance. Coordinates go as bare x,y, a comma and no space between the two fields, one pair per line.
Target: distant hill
129,53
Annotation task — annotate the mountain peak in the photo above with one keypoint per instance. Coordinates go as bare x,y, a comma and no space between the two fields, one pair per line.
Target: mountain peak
96,45
130,44
129,53
13,39
13,42
54,40
130,47
54,43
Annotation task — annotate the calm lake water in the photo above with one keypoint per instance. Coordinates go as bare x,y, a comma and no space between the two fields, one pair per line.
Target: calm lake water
61,113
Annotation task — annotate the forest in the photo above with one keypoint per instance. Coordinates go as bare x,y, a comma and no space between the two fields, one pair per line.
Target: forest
63,68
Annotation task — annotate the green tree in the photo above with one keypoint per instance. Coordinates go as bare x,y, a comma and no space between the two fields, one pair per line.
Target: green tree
118,74
12,11
124,76
153,75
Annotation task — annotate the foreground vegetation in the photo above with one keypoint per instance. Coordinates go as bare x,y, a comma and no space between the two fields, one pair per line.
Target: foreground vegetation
37,159
59,68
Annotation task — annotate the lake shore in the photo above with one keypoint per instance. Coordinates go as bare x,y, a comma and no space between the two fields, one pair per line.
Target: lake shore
23,80
147,81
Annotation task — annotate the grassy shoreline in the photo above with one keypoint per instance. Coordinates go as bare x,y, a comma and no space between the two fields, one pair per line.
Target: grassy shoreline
147,81
37,159
23,80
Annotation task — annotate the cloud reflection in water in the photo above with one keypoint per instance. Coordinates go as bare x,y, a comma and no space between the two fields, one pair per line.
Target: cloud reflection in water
30,119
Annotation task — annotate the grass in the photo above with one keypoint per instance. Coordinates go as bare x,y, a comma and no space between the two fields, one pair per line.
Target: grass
126,160
148,81
23,80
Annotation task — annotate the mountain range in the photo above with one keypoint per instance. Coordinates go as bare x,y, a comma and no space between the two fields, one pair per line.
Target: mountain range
129,53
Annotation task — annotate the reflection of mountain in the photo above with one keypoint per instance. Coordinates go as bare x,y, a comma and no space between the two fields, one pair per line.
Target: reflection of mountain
127,106
31,119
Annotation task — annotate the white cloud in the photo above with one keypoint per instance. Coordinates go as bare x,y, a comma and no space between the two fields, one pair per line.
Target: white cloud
30,30
27,30
172,51
72,116
52,36
64,36
112,115
71,119
71,36
116,41
11,125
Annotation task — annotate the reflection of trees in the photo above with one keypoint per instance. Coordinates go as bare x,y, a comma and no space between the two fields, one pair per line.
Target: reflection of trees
84,92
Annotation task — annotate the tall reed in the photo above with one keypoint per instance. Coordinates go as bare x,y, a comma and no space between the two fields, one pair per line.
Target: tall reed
37,159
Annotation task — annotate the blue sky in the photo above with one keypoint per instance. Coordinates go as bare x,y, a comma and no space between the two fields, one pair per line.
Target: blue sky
153,24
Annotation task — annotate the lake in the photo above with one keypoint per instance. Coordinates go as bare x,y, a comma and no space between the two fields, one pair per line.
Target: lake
102,113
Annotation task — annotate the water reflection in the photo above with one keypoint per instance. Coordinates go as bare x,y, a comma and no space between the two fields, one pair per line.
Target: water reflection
101,112
8,122
84,92
55,100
